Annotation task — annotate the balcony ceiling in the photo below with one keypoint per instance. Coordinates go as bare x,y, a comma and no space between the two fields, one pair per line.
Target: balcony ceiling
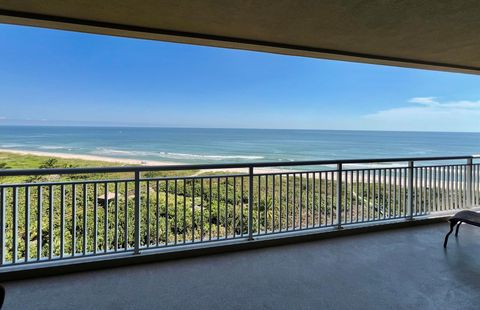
432,34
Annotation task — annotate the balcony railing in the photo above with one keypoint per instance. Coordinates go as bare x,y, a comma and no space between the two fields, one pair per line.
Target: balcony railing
60,214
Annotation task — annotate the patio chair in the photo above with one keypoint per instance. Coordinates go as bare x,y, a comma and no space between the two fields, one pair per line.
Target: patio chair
466,216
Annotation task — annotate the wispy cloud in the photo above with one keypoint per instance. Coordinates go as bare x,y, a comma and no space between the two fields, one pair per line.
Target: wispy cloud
424,100
429,113
432,102
2,118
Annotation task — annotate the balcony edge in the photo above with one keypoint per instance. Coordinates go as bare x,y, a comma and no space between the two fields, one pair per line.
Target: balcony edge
52,268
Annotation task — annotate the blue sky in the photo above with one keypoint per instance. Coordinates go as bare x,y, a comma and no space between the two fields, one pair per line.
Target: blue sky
53,77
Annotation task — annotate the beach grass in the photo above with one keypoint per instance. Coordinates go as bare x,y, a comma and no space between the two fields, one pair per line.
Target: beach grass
13,160
27,161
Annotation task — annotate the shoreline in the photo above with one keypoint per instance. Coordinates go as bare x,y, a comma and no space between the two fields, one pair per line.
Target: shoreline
115,160
129,161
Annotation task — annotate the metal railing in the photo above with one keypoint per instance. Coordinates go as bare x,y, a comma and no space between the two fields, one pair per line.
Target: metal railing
77,212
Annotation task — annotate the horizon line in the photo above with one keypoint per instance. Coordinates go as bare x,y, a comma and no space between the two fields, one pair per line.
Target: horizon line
228,128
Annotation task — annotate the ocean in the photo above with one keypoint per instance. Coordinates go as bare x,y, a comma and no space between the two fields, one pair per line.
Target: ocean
192,145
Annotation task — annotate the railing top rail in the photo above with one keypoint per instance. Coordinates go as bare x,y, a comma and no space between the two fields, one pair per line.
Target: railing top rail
20,172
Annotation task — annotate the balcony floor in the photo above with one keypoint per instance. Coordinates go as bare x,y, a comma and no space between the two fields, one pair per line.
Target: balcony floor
396,269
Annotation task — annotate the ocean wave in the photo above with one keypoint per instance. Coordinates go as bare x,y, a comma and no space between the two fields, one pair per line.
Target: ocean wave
376,165
415,153
11,145
211,157
172,155
104,151
54,147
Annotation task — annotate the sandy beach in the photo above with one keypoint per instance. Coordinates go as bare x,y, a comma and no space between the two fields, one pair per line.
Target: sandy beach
126,161
399,180
129,161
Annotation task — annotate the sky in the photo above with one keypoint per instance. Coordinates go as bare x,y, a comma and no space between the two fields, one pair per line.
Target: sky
52,77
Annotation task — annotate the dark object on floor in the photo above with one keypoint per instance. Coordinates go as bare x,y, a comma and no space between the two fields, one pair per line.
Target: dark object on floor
468,217
2,296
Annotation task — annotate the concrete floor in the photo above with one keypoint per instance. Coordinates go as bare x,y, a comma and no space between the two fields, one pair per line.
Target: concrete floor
397,269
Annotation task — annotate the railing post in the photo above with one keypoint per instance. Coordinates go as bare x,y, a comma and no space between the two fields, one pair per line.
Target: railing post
410,190
137,212
250,203
339,196
469,182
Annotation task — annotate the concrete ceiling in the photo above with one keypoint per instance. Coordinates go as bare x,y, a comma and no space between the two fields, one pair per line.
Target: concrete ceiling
431,34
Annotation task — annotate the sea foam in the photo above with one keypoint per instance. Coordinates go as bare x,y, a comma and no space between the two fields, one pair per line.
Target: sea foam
172,155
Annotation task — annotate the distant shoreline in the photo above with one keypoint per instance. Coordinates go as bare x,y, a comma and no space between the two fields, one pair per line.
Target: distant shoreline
129,161
92,157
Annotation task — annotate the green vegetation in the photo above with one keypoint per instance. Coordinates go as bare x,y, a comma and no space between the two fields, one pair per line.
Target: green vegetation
179,209
16,161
